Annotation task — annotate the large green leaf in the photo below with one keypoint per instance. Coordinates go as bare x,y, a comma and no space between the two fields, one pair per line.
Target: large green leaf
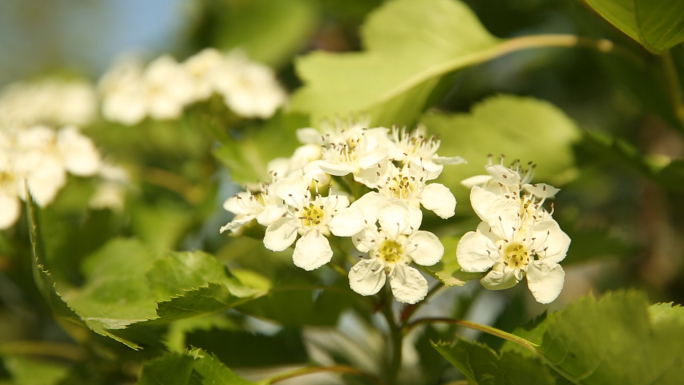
28,371
657,25
409,43
194,367
618,339
482,365
128,284
521,128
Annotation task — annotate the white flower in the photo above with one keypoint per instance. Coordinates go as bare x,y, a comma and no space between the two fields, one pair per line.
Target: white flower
264,206
516,238
408,184
307,216
420,151
510,180
203,68
391,248
110,191
48,101
250,89
43,157
168,88
123,92
9,201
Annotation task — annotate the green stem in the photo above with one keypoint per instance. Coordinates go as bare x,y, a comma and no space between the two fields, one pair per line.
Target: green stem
409,311
674,87
333,369
395,335
483,328
43,348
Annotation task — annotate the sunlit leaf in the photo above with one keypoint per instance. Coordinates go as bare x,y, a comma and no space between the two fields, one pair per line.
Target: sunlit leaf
28,371
520,128
409,43
657,25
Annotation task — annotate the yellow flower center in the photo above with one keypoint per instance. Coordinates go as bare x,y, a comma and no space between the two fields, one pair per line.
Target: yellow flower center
516,255
312,215
402,187
390,251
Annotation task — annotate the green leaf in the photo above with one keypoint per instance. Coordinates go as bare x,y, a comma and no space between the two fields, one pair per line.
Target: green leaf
28,371
448,270
521,128
482,365
248,155
409,45
270,31
657,25
618,339
127,284
194,367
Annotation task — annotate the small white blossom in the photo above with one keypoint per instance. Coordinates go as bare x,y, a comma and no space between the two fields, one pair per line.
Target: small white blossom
510,180
418,150
307,216
264,206
516,238
408,184
391,248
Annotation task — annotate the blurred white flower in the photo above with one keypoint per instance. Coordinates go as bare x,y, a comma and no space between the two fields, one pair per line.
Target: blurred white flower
122,91
205,69
111,189
50,101
249,89
391,248
9,201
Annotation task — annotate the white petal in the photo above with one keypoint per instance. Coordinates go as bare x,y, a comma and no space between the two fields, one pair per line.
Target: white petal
476,180
415,217
309,136
432,169
280,235
347,222
550,242
545,281
428,249
503,175
365,239
236,224
438,199
240,204
337,169
541,190
45,182
365,281
9,210
79,153
372,159
394,216
312,251
408,285
270,213
369,204
449,160
476,253
292,190
500,278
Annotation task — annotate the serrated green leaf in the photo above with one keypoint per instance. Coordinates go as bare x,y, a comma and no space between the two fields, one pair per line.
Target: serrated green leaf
409,45
482,365
175,339
448,270
248,155
617,339
519,127
195,367
657,25
127,284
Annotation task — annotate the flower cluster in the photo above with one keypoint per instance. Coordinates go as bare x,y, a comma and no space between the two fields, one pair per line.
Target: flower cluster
517,236
48,101
131,91
392,166
41,157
